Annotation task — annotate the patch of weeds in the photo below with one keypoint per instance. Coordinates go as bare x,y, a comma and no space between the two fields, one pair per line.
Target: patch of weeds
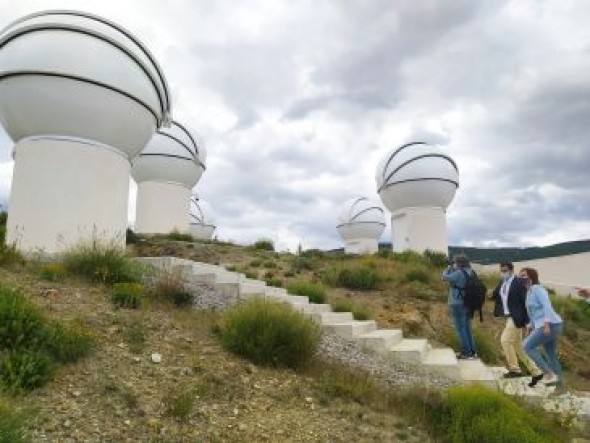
135,335
435,259
24,370
68,343
303,263
9,254
315,292
169,287
250,274
274,281
255,263
176,235
127,295
182,299
232,268
180,405
12,423
102,262
264,245
416,275
52,271
271,265
269,333
361,278
358,311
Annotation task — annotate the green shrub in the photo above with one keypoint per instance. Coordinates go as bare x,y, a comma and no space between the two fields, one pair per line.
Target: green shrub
436,259
576,313
249,274
52,271
102,262
362,278
24,370
274,281
271,265
135,335
416,275
68,343
131,237
358,312
255,263
127,295
344,382
303,263
316,293
21,322
269,333
12,423
408,257
476,414
384,253
264,245
176,235
269,274
182,299
180,404
167,285
289,273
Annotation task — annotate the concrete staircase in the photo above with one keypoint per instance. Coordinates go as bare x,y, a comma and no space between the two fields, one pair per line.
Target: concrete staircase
389,342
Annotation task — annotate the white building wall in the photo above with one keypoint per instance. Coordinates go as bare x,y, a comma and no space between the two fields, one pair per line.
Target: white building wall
64,191
419,229
162,208
562,274
361,246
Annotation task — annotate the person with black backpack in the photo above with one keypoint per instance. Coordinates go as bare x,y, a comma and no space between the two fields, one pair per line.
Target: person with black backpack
460,277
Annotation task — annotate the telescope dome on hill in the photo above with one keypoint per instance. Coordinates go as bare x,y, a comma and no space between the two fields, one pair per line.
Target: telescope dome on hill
202,226
361,223
80,96
417,182
166,170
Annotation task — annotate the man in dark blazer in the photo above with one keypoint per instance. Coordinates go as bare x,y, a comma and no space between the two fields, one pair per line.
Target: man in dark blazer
510,298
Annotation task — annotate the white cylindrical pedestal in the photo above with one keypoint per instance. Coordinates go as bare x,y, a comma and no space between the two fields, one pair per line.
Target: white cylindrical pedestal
361,246
162,208
201,231
419,229
67,190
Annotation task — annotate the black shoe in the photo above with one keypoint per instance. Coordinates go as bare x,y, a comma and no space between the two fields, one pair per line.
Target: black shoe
536,379
512,374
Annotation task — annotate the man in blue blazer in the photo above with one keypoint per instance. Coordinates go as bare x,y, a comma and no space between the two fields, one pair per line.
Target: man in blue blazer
510,298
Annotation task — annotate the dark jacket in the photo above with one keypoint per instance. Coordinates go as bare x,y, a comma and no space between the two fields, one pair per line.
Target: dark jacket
516,302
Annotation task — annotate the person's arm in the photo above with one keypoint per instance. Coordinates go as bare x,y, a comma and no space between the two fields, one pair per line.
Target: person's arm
496,292
543,297
452,276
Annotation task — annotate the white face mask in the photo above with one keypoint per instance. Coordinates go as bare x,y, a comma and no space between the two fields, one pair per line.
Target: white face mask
505,275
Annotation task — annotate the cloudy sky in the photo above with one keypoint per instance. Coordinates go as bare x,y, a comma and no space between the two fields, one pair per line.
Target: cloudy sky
297,102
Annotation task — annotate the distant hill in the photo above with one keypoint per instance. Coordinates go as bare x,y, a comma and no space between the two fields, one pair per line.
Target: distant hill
495,255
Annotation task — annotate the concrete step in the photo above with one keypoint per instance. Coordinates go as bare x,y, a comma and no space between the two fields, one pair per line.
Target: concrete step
350,329
475,371
292,299
331,317
442,361
248,288
409,350
272,290
381,340
252,281
313,308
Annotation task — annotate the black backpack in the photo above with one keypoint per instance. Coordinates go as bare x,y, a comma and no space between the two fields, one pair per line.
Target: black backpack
473,293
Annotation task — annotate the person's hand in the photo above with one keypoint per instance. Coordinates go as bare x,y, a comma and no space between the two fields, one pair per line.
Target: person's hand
527,330
546,329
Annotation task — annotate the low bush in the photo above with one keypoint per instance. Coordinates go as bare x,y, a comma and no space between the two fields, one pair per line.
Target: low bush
315,292
24,370
576,313
303,263
52,271
358,312
12,423
180,404
102,262
167,285
182,299
436,259
271,265
255,263
416,275
249,274
274,281
127,295
131,237
9,254
362,278
410,257
269,333
31,345
176,235
384,253
264,245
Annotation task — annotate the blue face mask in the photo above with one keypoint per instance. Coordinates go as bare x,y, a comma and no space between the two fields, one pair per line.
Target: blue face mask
505,275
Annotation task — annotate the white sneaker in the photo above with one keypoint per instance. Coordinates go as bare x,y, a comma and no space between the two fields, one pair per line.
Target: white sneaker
549,380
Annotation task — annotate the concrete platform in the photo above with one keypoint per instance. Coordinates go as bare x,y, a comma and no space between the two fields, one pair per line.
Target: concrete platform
332,317
409,350
442,361
351,329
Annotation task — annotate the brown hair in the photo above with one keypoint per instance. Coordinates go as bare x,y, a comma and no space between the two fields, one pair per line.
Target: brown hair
532,274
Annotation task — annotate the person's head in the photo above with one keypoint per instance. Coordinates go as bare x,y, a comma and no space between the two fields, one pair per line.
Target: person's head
461,261
529,275
506,270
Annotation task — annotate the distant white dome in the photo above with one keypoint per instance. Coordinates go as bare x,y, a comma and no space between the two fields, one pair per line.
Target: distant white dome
360,218
417,175
171,156
75,74
202,225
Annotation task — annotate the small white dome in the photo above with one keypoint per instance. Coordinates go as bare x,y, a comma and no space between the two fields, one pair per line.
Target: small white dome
75,74
360,218
202,225
173,156
417,175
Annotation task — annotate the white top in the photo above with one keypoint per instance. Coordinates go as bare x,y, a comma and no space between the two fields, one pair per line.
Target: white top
504,293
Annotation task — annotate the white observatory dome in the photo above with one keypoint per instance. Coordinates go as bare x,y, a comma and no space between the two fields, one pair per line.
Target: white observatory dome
201,221
360,218
171,156
74,74
417,175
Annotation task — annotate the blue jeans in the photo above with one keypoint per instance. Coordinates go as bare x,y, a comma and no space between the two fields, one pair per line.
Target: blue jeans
531,344
462,322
